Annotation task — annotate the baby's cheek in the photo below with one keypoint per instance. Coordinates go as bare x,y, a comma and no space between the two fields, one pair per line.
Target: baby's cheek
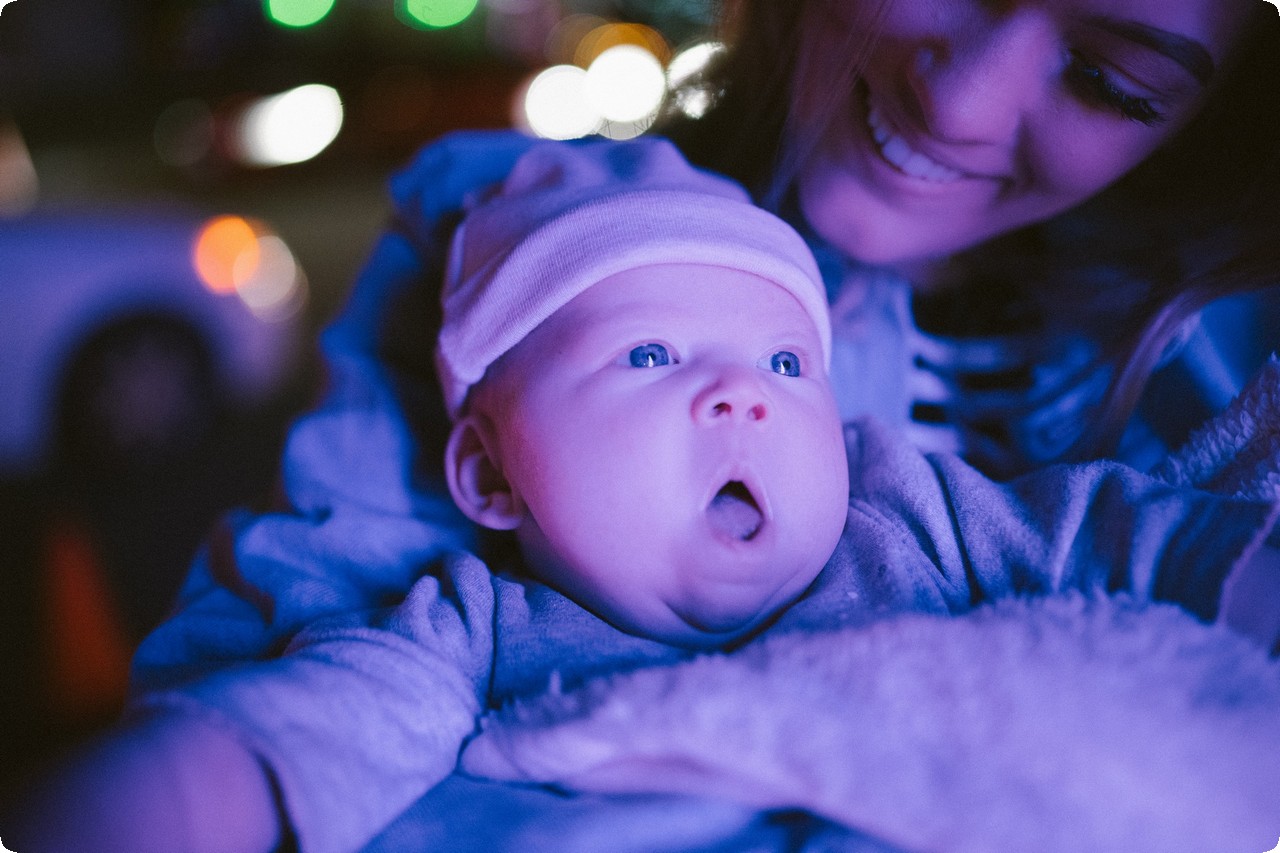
831,485
828,441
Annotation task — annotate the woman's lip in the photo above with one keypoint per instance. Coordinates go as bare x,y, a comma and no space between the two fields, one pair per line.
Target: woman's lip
903,156
909,155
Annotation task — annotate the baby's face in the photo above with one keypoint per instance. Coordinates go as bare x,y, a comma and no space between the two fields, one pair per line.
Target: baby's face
676,445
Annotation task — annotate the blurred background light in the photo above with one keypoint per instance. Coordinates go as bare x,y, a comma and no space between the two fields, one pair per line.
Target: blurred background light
19,186
125,106
600,39
183,132
275,289
437,14
614,84
519,29
554,104
626,83
625,129
236,255
517,6
291,127
226,253
298,13
565,37
692,99
692,60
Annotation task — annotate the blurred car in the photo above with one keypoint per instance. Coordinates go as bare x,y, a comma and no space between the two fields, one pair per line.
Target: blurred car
124,335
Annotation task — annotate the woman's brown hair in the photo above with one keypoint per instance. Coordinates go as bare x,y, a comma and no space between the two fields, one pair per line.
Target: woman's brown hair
1192,223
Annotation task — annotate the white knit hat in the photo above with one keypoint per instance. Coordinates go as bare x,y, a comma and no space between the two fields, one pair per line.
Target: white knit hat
572,214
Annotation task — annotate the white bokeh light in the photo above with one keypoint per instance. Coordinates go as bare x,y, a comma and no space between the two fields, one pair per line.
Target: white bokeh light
625,129
691,61
693,101
626,83
290,127
275,290
555,104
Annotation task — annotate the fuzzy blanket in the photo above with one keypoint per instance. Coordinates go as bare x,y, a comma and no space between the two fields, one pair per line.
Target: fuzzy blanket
1238,451
1059,724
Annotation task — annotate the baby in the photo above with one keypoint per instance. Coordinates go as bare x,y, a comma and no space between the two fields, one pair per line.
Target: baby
640,382
634,357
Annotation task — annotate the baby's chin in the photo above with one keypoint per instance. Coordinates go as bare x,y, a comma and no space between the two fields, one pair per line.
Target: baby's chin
722,623
721,612
696,636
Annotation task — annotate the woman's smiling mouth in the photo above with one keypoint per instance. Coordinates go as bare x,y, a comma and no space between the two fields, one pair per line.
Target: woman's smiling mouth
897,152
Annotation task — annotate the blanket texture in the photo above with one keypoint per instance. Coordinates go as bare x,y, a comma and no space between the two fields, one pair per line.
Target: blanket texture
1060,724
1238,451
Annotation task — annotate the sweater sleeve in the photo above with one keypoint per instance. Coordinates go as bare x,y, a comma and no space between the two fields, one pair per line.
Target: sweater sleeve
363,713
1093,526
363,507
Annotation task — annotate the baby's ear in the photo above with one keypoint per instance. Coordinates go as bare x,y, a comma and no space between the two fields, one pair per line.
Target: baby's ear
475,477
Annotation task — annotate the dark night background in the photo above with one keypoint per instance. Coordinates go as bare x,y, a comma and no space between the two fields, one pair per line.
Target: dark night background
84,87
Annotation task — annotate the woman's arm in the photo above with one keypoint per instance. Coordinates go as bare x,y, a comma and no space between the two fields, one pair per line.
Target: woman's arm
1099,525
325,744
364,505
168,782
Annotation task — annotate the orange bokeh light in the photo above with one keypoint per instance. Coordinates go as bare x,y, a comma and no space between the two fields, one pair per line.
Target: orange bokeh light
603,37
226,253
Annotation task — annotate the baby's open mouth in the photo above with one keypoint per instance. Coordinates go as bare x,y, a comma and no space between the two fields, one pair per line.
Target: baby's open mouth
734,513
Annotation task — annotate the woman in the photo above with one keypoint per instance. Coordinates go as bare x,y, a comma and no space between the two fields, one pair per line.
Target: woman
967,172
1010,198
944,153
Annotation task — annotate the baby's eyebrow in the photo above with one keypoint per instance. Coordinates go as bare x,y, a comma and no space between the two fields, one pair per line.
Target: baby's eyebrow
608,333
1186,51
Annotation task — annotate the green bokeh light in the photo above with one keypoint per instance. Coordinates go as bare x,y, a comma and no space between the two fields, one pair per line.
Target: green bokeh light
297,13
437,14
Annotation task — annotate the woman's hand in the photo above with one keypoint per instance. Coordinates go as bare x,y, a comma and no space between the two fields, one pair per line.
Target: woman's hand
166,783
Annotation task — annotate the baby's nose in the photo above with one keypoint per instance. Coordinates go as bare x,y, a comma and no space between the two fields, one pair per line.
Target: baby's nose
733,394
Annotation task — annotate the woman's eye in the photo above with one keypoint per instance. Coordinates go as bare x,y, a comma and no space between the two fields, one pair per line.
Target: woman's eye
650,355
785,363
1096,86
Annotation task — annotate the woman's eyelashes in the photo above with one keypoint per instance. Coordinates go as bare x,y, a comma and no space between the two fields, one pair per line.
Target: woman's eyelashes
1093,84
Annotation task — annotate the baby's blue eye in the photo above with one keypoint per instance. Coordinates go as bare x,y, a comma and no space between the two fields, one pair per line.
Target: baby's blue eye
785,363
650,355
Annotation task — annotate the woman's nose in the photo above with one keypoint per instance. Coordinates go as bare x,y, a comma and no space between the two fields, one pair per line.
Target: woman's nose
731,394
974,84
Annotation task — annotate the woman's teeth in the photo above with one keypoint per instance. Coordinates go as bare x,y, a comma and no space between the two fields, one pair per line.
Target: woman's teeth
902,156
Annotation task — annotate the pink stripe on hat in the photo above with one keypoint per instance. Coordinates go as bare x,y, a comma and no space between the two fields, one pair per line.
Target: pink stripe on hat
572,214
